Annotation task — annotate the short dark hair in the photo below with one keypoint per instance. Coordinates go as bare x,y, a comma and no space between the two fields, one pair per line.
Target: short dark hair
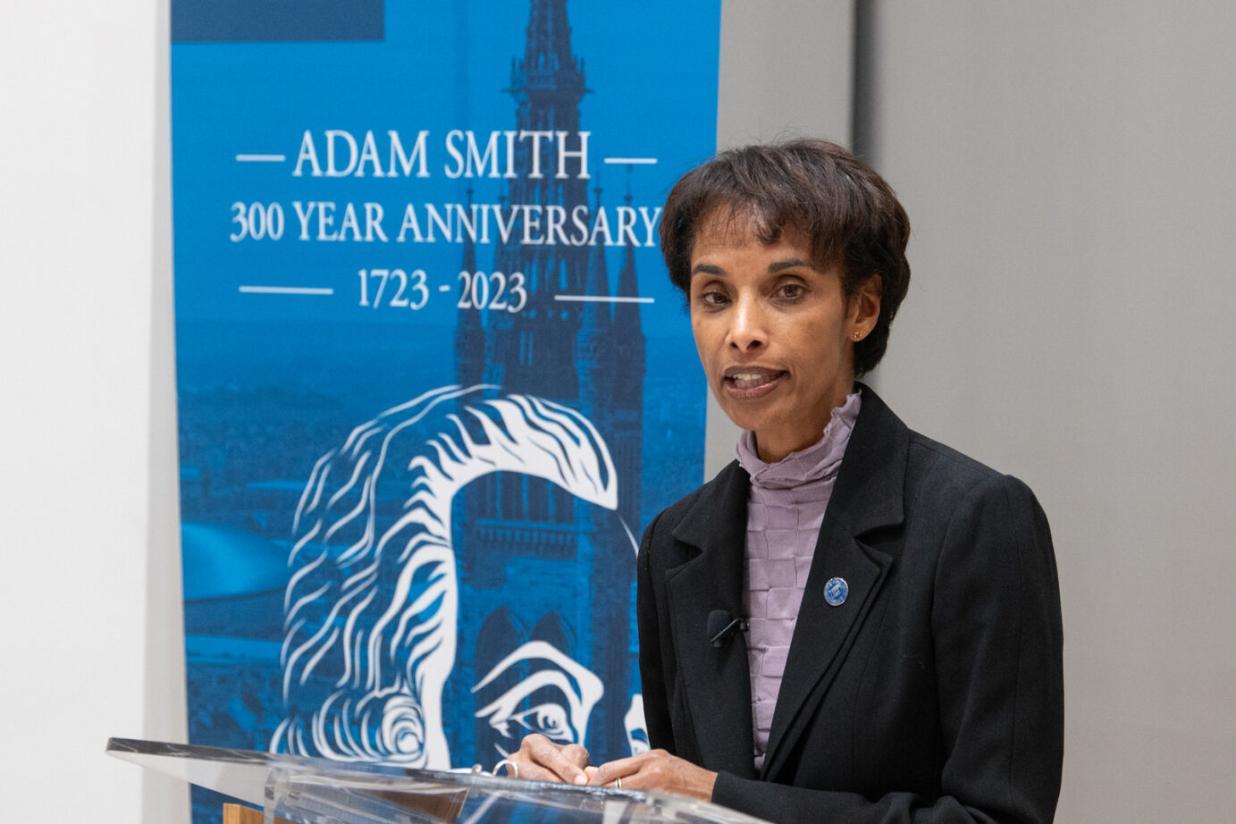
850,215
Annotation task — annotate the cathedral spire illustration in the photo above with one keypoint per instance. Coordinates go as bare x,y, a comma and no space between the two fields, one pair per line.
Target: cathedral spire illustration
469,337
570,346
532,349
594,344
628,387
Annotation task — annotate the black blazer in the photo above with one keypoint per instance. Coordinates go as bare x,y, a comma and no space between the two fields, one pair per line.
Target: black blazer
933,693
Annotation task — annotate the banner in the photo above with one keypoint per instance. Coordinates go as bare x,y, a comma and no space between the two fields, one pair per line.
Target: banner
433,379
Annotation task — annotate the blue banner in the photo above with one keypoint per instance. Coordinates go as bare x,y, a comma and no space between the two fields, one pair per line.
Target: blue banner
433,379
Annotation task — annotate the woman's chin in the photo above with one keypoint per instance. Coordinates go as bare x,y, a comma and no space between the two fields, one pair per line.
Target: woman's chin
747,415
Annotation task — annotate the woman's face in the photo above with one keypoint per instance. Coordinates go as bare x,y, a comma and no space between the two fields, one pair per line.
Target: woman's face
774,333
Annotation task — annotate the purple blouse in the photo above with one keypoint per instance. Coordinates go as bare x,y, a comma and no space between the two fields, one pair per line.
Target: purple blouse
785,507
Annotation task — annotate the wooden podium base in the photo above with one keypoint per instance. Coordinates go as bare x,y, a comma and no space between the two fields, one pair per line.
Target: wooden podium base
240,814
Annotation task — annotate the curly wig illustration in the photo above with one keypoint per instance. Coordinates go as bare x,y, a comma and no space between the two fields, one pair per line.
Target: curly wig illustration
370,610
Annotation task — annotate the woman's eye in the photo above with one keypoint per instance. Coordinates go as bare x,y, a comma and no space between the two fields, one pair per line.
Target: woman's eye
713,298
791,291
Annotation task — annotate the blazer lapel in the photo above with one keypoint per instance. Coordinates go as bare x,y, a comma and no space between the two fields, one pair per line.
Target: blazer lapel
867,496
716,679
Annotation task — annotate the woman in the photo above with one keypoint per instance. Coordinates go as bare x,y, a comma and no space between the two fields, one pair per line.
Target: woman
850,622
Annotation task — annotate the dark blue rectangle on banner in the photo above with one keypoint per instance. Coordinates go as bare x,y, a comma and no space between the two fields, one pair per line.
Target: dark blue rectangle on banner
217,21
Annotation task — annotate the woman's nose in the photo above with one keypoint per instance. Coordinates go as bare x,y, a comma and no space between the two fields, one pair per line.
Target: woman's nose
748,330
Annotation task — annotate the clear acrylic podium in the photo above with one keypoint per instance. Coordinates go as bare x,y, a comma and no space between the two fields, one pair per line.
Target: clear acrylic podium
316,791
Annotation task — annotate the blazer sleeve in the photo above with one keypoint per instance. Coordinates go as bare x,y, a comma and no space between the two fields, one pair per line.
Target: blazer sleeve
651,668
998,653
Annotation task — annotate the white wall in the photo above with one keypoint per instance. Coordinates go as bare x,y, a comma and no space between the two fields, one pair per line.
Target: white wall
1067,170
77,152
165,800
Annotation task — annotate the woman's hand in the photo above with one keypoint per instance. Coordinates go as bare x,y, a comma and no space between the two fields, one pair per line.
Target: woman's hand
539,759
656,770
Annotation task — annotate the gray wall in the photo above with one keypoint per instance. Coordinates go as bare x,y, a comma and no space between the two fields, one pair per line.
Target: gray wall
1067,171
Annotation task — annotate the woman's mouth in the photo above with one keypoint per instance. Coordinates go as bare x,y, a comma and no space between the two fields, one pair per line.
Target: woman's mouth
747,382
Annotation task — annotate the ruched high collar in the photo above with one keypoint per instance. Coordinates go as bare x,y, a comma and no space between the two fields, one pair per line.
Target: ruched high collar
816,462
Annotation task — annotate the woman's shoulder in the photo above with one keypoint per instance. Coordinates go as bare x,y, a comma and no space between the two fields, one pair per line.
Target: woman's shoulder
941,465
948,472
703,505
886,448
944,481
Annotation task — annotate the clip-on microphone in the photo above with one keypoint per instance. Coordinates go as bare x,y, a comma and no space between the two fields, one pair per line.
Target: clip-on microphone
721,626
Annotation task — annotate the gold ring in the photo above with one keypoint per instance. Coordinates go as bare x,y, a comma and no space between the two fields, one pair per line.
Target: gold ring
618,783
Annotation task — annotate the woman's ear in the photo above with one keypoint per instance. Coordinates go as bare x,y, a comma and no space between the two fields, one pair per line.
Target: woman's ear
865,307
